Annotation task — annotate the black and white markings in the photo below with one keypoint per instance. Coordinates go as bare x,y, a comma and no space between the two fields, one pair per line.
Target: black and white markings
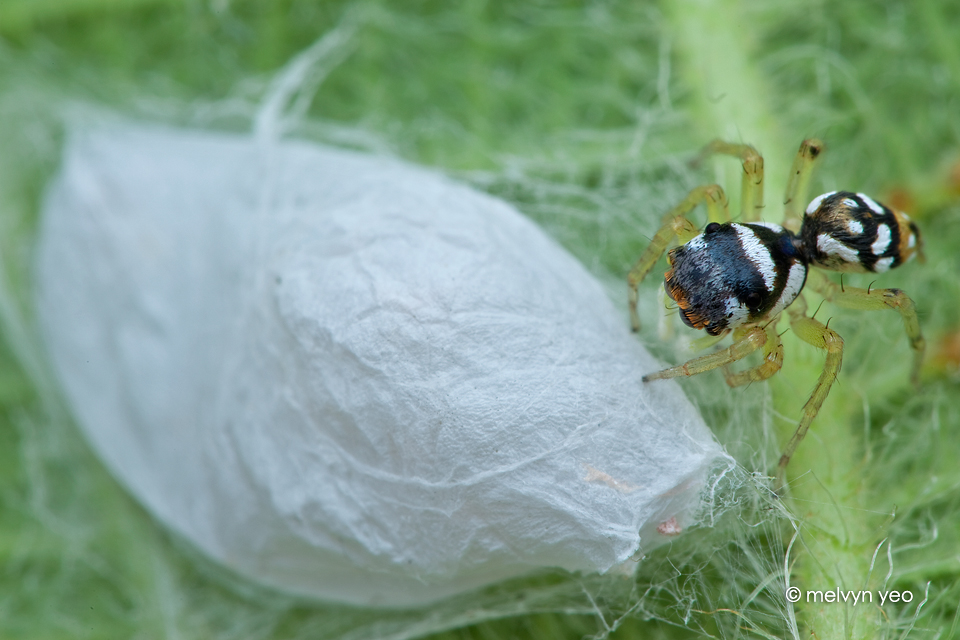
758,254
736,274
845,231
732,274
816,202
739,277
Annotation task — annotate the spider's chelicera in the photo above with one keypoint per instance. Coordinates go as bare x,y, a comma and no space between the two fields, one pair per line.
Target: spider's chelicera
739,276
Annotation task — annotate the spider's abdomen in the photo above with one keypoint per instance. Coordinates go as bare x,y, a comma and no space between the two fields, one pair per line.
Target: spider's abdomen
733,273
845,231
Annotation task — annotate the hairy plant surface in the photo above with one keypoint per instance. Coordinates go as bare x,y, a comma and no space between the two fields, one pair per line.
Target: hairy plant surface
585,116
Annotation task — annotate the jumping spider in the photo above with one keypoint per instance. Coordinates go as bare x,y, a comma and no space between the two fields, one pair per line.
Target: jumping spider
739,276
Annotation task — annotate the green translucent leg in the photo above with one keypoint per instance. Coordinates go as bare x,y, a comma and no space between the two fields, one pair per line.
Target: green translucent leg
675,224
751,187
772,361
812,332
798,186
746,343
877,299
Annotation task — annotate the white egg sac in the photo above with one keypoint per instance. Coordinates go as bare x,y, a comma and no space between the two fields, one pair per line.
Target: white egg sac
350,377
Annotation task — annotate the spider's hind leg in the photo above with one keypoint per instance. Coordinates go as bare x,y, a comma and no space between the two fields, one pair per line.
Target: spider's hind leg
876,299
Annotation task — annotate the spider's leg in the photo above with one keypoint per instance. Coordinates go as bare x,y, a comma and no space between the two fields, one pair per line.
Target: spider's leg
798,186
751,340
772,361
675,224
874,299
751,186
812,332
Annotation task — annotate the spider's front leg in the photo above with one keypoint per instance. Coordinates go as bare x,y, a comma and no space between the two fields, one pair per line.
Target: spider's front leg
675,224
876,299
751,186
746,341
812,332
772,360
799,183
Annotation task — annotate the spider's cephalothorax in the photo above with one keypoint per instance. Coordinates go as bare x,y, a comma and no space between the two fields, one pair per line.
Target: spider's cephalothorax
732,274
739,276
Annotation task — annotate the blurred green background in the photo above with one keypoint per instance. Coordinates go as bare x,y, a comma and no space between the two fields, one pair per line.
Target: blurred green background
584,115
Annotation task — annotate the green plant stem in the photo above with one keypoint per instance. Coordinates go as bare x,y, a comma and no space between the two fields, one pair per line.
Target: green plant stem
838,535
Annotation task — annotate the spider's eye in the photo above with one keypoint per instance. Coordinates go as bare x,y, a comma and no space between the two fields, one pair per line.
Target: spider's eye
753,300
712,227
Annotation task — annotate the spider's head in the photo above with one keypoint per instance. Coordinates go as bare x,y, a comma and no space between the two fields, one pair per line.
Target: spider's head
733,274
845,231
